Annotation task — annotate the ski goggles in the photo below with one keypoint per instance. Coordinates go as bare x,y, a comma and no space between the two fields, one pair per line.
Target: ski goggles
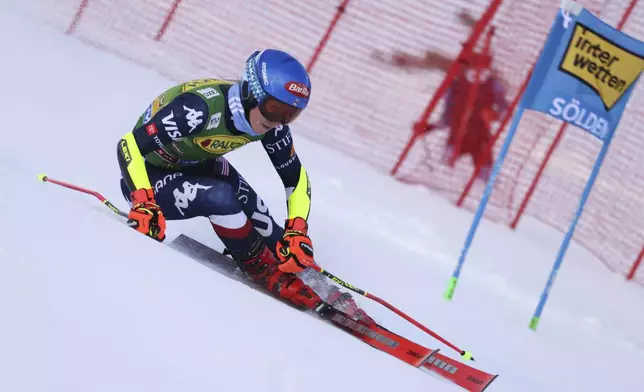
277,111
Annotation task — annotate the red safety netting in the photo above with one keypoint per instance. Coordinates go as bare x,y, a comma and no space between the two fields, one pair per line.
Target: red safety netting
367,107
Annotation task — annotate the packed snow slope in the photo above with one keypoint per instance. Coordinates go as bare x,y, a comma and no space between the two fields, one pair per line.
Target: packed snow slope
88,304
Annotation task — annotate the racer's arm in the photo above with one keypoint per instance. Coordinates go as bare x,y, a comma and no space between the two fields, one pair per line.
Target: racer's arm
178,118
431,60
435,60
279,147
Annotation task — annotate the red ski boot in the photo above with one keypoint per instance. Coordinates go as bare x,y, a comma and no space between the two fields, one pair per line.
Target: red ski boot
263,270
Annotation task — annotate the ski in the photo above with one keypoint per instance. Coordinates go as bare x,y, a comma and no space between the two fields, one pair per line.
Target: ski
414,354
378,337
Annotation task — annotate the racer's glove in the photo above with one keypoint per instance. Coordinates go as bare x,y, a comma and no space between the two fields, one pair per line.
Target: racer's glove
146,215
295,249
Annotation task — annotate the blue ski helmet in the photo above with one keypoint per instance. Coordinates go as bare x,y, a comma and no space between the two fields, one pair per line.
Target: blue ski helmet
277,83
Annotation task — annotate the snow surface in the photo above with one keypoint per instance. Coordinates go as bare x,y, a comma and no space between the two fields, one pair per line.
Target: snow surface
90,305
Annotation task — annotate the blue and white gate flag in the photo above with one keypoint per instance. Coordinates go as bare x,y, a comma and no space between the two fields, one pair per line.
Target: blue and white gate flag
585,75
586,72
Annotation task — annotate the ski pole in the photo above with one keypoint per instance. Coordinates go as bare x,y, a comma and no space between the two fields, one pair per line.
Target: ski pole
464,354
108,204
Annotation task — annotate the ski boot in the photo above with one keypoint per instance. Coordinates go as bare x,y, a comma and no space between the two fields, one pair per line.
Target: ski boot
344,302
261,267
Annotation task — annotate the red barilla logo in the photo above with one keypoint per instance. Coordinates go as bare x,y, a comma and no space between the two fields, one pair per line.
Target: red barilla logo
298,89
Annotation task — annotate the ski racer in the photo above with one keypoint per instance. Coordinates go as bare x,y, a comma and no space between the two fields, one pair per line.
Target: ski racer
490,102
173,167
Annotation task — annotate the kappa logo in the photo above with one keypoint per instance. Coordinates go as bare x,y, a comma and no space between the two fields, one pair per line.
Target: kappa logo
602,65
193,117
209,92
182,199
220,144
215,119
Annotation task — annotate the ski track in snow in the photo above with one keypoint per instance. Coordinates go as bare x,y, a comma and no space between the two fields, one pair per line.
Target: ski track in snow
89,305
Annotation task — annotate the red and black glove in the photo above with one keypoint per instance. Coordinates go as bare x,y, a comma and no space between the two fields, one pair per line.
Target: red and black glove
295,249
146,216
